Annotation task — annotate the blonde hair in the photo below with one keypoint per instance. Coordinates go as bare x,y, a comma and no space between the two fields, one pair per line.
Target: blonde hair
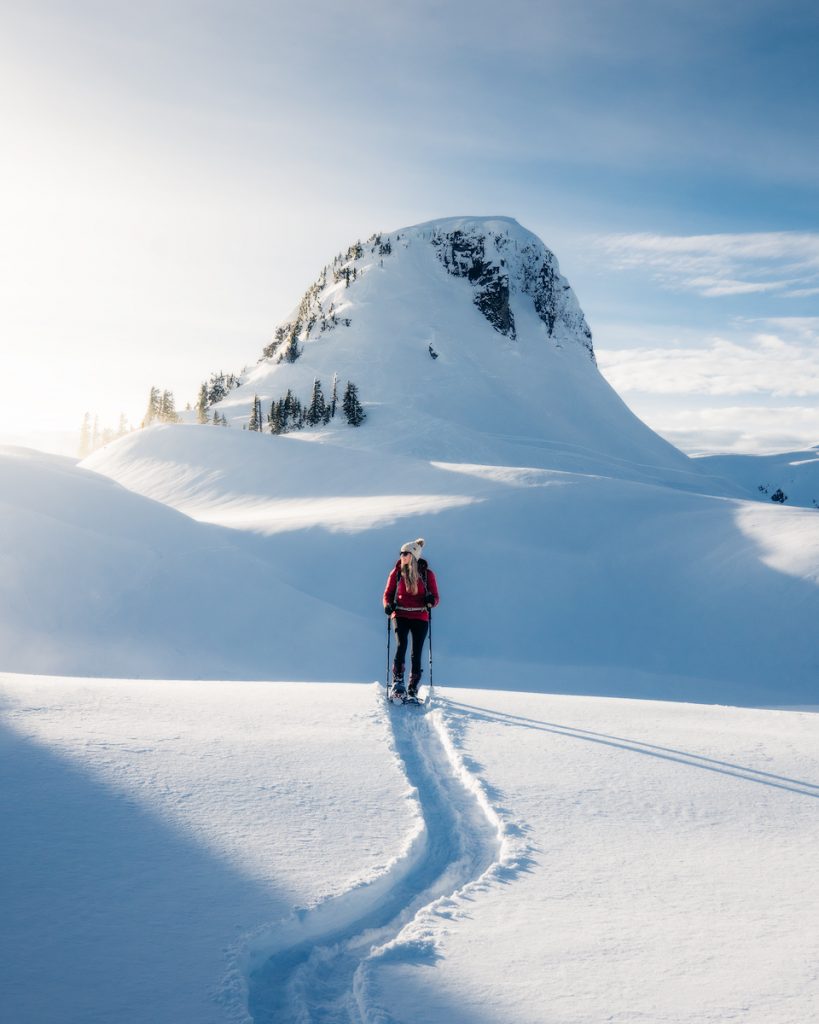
411,575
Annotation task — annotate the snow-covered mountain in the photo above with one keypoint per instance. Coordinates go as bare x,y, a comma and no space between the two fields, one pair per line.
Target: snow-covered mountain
287,847
578,550
465,343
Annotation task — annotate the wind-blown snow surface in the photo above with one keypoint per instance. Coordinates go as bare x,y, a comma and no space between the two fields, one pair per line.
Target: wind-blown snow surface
652,862
99,581
563,581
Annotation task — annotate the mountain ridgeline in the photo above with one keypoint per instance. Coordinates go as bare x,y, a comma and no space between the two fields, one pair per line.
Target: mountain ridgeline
495,260
465,343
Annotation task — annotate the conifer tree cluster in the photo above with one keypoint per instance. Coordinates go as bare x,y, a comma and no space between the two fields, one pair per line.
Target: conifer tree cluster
346,274
220,385
286,345
289,413
161,408
289,337
211,393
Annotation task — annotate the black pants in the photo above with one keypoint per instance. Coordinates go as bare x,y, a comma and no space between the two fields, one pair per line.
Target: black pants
403,628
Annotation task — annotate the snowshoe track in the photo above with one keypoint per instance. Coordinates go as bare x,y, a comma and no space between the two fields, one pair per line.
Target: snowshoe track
321,965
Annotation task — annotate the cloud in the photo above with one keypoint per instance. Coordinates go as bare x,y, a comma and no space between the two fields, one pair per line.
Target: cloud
716,265
766,363
749,429
752,388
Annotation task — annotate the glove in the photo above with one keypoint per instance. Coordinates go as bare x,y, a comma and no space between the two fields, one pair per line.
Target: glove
429,600
389,608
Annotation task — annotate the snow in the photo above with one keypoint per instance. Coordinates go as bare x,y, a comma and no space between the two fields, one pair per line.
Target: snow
99,581
796,474
669,859
148,826
502,856
537,400
573,582
211,815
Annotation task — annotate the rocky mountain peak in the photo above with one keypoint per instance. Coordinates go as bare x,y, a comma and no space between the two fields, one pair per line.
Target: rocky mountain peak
499,258
496,256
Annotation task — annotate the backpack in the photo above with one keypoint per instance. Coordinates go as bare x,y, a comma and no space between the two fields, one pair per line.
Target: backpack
423,566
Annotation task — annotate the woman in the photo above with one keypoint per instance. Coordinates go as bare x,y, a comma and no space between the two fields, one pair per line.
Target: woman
410,593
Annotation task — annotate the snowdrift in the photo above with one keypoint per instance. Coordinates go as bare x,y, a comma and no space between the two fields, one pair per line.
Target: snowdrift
551,581
96,579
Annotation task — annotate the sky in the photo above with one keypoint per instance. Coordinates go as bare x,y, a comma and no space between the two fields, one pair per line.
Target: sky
174,174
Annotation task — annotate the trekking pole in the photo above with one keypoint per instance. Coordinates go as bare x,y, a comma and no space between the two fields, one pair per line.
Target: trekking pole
430,654
387,676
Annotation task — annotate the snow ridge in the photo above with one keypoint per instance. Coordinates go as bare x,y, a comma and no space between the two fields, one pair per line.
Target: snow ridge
323,964
495,255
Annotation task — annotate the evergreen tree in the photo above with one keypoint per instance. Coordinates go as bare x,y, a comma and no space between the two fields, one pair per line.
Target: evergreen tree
154,406
202,405
352,406
318,407
255,419
167,408
217,388
334,397
274,417
219,385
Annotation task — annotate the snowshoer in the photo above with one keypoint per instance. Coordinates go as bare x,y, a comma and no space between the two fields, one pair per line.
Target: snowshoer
410,594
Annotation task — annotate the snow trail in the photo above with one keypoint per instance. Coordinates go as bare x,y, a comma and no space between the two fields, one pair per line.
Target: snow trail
320,965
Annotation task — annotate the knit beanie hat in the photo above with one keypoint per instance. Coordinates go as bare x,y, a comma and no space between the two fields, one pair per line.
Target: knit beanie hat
413,547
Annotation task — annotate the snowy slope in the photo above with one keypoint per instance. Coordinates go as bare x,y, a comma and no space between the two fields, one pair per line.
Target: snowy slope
505,857
794,474
149,827
97,580
514,382
550,580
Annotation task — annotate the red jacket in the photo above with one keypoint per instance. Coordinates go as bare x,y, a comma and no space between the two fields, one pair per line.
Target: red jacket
411,606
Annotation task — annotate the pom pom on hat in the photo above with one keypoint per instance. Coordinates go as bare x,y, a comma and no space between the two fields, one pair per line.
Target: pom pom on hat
413,547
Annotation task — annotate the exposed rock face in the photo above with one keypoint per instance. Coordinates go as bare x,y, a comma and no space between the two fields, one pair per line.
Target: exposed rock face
464,255
498,264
